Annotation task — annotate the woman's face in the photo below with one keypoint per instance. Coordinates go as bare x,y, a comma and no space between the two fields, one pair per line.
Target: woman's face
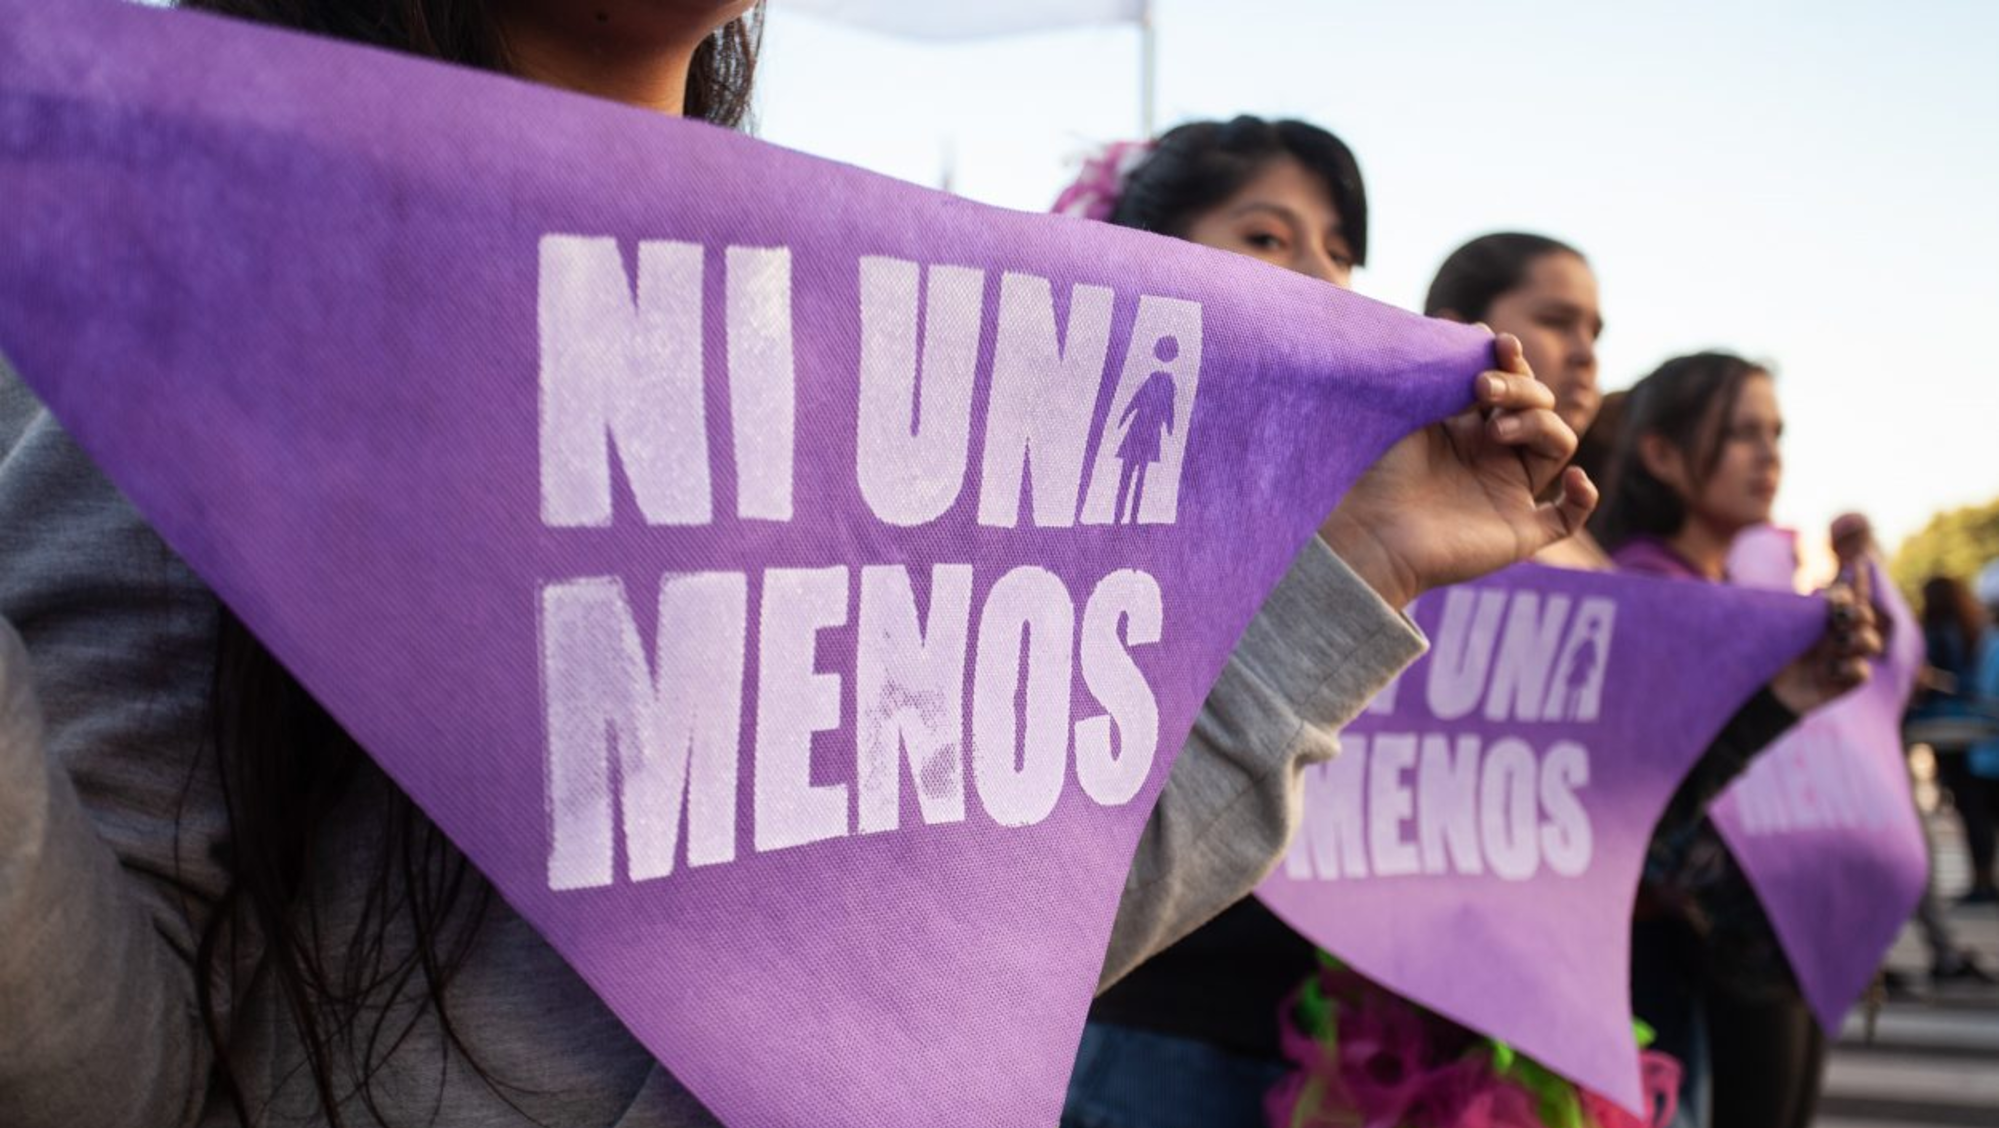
1743,486
1554,313
1284,216
619,26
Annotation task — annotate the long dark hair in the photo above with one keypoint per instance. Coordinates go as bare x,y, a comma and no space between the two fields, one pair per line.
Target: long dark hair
286,765
1687,401
1195,166
1476,274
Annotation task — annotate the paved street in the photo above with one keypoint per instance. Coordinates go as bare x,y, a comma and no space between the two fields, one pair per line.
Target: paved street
1934,1057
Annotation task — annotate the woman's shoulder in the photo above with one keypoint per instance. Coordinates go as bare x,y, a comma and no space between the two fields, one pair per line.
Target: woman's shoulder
1578,552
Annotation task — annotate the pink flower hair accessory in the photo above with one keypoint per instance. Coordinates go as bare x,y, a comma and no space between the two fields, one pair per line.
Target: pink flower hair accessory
1095,191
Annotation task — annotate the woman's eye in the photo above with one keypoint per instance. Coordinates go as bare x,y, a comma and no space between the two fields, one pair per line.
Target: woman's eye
1264,241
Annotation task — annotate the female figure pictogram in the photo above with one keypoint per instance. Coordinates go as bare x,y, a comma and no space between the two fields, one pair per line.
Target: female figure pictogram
1146,418
1582,668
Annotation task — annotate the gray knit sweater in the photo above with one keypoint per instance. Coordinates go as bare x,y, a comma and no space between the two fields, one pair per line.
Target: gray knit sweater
112,837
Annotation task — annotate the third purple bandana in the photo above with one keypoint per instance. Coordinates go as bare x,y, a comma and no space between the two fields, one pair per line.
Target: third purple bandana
1478,844
1824,826
790,586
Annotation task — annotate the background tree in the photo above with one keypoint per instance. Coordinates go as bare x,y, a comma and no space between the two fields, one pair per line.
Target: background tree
1957,542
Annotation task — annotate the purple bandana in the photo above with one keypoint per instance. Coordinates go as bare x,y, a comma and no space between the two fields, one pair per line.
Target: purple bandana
1823,823
1478,844
788,585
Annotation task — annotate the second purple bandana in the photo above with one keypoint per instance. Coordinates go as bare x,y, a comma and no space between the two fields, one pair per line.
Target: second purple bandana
1824,826
790,586
1478,843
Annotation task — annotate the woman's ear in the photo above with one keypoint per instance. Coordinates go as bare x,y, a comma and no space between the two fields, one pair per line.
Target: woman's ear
1664,461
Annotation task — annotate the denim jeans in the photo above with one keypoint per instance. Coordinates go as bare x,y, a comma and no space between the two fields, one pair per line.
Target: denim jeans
1129,1078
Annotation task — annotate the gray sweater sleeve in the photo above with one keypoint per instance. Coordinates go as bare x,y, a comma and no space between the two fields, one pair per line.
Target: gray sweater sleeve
1320,648
108,834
